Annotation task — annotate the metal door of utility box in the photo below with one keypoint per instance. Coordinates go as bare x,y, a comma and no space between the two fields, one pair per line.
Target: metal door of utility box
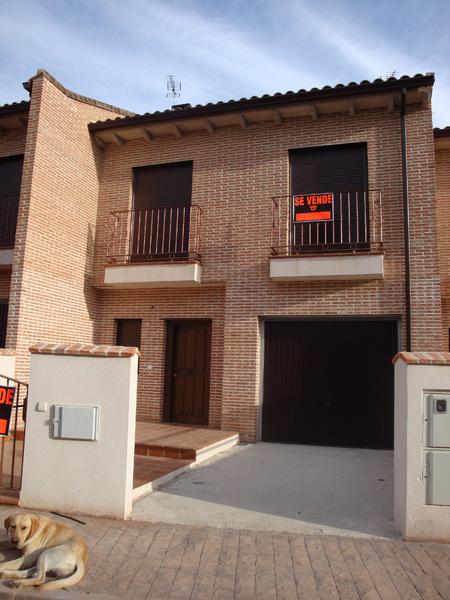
437,420
75,422
437,472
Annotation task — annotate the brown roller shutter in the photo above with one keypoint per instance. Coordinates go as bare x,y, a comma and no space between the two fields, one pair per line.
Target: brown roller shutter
128,332
10,180
342,171
3,323
10,175
162,186
161,217
340,168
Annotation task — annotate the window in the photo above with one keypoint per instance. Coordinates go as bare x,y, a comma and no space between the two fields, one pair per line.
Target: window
128,332
10,180
3,322
162,211
340,170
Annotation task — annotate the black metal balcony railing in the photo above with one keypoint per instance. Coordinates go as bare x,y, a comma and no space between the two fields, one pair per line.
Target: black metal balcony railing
156,234
9,207
357,226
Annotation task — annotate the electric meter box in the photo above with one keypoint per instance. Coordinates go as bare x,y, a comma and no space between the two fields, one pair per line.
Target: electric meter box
437,420
437,477
75,422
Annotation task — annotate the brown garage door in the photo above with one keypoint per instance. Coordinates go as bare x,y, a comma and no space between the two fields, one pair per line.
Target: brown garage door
329,383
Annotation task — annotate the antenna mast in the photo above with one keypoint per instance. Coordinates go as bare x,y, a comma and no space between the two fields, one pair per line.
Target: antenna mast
173,88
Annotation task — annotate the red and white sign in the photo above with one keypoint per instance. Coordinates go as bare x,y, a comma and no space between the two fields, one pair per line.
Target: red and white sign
310,208
6,403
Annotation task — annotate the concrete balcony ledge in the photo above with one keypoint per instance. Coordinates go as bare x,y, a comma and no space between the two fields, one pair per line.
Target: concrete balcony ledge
327,267
153,275
6,257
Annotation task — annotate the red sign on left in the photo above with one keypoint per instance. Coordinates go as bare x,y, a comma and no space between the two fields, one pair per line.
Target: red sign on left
6,404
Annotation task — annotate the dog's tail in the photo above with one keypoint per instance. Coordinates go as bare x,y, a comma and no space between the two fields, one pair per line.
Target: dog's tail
59,584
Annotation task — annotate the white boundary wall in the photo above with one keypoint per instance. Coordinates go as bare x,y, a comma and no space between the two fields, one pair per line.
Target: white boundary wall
414,373
87,477
7,363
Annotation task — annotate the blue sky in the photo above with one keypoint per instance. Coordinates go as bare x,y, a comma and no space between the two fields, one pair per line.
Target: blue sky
121,51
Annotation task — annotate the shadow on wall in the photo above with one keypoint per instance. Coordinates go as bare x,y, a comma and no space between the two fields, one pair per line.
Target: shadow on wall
90,293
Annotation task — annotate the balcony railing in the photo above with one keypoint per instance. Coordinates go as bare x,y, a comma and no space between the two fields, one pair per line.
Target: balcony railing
357,226
9,207
155,234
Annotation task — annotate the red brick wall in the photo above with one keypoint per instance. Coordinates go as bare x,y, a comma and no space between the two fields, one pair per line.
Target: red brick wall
443,207
425,278
51,296
154,307
12,142
235,174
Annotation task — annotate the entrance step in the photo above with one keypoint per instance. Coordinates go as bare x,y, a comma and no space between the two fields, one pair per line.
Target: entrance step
8,496
150,472
163,452
182,441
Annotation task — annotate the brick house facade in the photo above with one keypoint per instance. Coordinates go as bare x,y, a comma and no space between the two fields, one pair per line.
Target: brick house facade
80,162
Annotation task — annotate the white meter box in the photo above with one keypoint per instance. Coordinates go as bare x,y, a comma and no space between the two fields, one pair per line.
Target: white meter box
437,420
437,471
75,422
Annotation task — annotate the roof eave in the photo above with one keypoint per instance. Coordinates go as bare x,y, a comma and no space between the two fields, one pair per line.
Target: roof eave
19,107
272,102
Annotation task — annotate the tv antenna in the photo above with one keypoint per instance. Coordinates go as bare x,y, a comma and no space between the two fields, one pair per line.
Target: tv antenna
391,74
173,88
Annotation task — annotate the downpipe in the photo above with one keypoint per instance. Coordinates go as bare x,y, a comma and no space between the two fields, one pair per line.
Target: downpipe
406,236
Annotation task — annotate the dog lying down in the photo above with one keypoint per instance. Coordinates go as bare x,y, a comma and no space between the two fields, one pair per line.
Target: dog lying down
49,548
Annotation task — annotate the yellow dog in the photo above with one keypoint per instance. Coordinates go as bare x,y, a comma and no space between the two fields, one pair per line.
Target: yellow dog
48,548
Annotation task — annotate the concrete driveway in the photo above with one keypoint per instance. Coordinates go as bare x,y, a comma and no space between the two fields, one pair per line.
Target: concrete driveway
281,487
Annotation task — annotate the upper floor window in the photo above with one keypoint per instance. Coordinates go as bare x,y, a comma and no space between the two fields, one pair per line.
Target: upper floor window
10,180
336,176
161,211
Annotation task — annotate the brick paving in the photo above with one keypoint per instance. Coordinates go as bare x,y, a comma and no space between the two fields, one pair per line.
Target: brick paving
158,561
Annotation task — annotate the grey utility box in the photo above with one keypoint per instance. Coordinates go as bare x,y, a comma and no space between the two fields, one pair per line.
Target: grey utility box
436,451
437,420
75,422
437,471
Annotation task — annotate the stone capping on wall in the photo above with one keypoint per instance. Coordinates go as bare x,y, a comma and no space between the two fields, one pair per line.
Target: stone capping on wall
92,101
423,358
84,350
7,352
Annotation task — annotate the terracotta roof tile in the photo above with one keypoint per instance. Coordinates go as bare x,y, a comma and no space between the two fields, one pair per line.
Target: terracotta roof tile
326,91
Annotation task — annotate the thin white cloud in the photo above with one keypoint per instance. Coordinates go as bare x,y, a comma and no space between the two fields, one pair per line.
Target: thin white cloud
121,52
369,51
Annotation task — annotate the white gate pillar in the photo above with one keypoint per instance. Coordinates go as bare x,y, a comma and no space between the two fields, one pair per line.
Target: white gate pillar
80,430
422,459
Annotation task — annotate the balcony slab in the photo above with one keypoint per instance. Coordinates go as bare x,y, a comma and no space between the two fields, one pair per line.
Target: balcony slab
153,275
6,257
327,267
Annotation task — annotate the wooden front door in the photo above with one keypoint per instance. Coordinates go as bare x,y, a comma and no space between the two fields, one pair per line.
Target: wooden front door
188,360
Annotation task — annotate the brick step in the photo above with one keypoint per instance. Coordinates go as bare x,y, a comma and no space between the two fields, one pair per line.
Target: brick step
181,442
165,451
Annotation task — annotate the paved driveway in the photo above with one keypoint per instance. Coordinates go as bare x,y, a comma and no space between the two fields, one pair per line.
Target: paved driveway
279,487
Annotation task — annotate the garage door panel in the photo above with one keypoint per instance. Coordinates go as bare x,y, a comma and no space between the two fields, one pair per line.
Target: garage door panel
329,383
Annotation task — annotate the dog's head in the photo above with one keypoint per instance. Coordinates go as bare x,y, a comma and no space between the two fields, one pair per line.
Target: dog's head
20,528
